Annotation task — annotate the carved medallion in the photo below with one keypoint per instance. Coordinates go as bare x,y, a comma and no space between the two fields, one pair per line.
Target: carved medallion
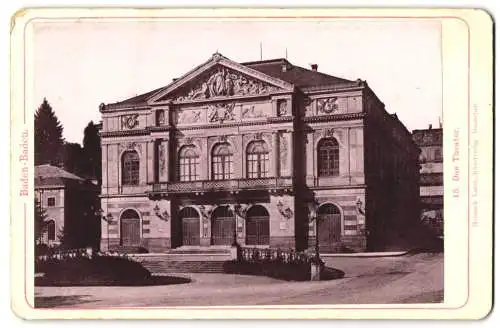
129,121
221,113
224,82
328,105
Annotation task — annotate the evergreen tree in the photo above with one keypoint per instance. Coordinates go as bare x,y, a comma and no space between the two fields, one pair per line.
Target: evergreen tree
48,136
74,159
92,149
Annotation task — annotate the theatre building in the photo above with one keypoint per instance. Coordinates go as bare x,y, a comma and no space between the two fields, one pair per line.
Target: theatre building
263,154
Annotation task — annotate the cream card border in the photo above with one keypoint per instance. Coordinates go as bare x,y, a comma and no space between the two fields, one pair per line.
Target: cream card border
468,116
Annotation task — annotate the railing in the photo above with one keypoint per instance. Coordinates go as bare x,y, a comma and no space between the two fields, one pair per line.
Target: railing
67,254
215,185
263,255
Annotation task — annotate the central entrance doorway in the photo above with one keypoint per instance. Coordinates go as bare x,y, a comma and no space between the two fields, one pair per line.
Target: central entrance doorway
190,226
130,228
223,226
329,225
257,226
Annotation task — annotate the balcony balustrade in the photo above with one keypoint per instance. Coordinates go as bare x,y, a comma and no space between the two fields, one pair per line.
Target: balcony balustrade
223,185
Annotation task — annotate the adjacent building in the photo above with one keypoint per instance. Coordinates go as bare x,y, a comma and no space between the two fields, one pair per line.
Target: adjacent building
265,154
430,142
70,203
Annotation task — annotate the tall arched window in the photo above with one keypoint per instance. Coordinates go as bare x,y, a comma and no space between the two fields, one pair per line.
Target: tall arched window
51,230
188,164
222,162
257,160
328,157
130,168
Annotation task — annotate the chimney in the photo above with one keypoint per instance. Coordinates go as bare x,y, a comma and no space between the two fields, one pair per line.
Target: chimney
284,66
175,79
430,126
314,67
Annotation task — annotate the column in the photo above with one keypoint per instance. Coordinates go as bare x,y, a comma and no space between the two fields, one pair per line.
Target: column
163,160
275,159
290,152
150,161
104,169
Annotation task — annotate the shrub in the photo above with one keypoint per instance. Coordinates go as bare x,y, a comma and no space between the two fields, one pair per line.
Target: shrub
99,270
276,263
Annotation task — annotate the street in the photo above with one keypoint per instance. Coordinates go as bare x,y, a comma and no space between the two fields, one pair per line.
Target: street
402,279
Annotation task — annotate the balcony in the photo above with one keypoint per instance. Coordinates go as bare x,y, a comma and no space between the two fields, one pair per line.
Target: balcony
223,185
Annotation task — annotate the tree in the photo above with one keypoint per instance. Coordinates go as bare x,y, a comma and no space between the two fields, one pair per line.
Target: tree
48,136
92,149
74,159
40,217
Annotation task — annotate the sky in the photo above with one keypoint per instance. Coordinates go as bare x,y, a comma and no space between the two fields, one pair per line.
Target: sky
82,64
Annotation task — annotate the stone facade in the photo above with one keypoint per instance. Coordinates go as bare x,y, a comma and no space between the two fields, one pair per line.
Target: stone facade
430,142
69,203
222,102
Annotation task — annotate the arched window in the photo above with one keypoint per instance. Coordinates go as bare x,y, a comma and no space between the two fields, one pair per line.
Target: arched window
51,230
188,164
328,157
130,168
257,160
222,162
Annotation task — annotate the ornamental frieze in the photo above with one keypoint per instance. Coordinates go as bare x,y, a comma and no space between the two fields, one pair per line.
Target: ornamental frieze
129,121
224,82
189,116
252,112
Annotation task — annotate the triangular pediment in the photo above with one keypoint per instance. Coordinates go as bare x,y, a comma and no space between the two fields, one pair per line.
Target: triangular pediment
220,78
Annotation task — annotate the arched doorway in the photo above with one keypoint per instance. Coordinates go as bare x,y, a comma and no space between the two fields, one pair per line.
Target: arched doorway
329,225
190,226
223,226
130,228
257,226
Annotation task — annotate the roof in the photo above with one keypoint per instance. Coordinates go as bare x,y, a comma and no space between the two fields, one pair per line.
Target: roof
47,174
296,75
428,137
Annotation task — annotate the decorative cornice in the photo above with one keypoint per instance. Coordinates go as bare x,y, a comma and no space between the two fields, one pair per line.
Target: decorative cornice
354,86
335,117
124,107
159,128
280,119
124,133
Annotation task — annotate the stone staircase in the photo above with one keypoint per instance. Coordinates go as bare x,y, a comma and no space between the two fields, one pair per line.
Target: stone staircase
185,260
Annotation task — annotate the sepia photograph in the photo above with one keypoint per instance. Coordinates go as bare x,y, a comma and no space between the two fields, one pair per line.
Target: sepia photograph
237,162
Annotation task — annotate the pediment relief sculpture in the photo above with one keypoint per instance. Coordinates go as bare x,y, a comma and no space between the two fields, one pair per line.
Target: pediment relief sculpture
226,83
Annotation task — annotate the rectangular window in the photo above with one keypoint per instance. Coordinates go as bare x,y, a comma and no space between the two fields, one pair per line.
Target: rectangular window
51,201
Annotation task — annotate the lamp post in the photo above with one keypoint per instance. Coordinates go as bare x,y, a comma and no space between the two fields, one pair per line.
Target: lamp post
314,218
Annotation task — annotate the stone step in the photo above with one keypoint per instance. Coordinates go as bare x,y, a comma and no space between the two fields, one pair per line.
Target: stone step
184,266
